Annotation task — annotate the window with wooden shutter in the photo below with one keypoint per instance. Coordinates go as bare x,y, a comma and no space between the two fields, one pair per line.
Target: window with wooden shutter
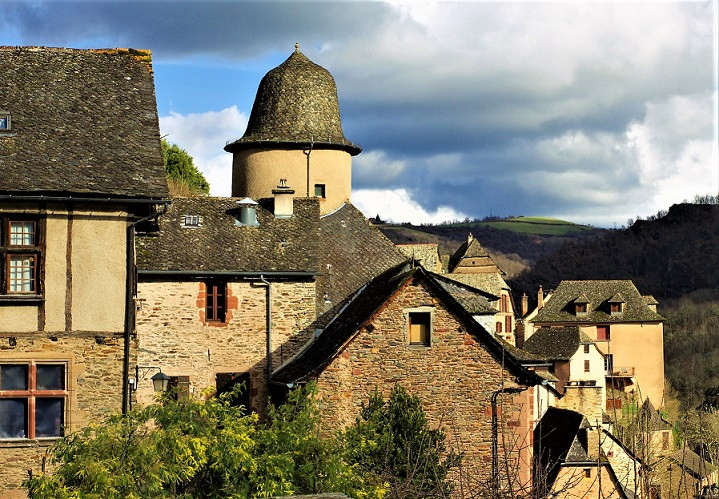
419,328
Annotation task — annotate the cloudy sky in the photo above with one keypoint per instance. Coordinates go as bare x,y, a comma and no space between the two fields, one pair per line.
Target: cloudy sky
591,112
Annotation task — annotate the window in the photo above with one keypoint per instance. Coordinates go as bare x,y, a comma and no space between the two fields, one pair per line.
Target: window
508,324
504,304
615,308
215,304
4,121
603,333
20,252
587,472
498,327
419,328
580,308
586,348
33,400
320,191
586,366
609,364
190,221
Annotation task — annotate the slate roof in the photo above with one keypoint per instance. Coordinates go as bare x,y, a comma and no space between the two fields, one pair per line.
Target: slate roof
296,104
560,307
556,343
691,461
491,282
358,311
351,252
554,437
473,300
218,245
84,122
471,248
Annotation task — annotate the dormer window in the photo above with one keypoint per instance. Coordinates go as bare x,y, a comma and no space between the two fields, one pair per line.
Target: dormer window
191,221
581,305
4,121
616,304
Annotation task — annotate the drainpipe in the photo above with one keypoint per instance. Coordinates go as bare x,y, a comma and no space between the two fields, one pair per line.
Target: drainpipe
495,433
307,153
130,303
269,328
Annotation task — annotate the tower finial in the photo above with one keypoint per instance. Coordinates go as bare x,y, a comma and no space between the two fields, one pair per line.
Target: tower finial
297,46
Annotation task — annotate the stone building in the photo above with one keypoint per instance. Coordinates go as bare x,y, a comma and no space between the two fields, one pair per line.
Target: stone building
622,322
76,175
472,265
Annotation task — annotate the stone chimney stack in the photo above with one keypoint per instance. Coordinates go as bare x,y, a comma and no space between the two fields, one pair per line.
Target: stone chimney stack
525,304
540,298
283,200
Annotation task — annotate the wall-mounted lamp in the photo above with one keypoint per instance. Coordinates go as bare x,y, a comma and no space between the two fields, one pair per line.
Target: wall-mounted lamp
160,380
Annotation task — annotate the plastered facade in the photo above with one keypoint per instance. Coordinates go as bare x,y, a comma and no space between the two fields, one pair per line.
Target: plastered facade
77,320
454,377
625,341
256,172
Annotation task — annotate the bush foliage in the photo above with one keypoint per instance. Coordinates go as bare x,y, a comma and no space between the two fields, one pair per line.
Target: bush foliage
212,449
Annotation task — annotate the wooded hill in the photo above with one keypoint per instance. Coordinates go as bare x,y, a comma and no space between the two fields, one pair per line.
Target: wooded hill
668,257
515,243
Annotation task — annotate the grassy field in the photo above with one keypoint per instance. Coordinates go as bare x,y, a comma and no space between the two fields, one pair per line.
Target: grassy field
538,225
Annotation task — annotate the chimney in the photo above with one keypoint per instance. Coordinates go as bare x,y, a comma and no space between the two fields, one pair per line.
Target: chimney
283,200
525,304
540,298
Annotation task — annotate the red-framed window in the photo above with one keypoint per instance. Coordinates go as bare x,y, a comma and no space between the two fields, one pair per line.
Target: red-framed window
20,252
216,301
33,399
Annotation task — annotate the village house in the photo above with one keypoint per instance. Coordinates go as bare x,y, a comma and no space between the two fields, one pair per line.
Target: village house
77,174
472,265
621,322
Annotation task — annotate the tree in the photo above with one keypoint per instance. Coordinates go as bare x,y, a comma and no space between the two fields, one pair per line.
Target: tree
182,175
393,442
206,449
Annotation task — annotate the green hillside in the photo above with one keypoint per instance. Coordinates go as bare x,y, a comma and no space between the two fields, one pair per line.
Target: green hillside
538,225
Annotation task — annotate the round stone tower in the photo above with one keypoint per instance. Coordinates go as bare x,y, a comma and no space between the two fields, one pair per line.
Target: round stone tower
295,133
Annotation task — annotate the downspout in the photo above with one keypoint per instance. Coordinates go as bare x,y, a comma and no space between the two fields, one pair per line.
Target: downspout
130,303
268,302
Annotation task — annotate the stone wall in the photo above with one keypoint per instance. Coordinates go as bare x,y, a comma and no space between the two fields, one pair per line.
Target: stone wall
454,377
174,335
93,386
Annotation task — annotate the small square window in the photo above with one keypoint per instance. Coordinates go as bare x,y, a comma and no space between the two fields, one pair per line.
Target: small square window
22,233
4,121
320,191
615,308
191,221
581,308
419,328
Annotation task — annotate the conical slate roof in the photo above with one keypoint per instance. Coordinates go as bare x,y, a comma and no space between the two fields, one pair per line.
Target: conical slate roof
296,104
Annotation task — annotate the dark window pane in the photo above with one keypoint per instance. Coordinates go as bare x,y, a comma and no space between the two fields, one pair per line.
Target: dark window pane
48,417
50,377
13,377
13,418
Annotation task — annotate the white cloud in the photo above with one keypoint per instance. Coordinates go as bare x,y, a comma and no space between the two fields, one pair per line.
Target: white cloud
203,136
374,167
398,206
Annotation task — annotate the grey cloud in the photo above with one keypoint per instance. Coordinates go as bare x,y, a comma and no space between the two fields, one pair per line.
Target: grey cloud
232,30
